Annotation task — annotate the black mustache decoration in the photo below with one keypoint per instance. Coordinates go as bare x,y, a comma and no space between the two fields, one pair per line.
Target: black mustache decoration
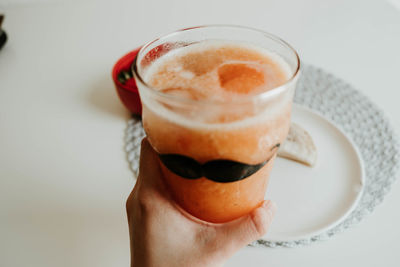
222,171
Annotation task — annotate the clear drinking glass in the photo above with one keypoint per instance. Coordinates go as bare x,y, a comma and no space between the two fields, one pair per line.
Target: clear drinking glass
216,156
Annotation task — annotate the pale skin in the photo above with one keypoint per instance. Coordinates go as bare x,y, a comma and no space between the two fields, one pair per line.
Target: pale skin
161,234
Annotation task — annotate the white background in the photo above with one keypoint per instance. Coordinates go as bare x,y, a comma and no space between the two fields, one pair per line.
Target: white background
64,177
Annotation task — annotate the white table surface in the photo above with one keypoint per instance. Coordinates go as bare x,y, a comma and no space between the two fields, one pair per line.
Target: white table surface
64,177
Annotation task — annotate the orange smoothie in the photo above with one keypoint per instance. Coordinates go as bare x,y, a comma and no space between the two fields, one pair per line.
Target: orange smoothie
217,139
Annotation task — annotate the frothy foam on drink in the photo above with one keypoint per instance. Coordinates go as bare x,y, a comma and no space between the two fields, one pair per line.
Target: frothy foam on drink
216,71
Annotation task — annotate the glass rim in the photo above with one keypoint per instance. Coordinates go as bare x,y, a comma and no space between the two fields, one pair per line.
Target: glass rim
176,98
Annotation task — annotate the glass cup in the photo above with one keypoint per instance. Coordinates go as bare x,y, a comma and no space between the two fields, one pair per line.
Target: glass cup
216,169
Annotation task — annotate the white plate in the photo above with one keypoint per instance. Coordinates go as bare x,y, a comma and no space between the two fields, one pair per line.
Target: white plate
311,200
316,204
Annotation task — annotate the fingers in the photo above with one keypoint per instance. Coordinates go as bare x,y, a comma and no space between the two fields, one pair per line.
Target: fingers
261,219
247,229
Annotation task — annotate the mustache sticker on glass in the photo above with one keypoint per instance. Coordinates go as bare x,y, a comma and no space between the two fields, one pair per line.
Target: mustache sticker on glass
221,170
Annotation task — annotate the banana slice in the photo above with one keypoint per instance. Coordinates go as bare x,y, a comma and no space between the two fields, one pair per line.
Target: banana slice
299,146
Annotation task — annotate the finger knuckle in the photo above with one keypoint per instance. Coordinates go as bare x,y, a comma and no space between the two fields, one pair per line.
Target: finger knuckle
259,222
145,201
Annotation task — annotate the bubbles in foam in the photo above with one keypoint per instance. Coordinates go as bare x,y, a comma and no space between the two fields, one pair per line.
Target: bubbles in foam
187,74
185,92
216,71
221,70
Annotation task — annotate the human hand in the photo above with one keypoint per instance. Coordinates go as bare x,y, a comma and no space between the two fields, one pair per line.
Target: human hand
161,234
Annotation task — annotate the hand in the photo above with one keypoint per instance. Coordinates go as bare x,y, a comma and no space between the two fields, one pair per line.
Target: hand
161,234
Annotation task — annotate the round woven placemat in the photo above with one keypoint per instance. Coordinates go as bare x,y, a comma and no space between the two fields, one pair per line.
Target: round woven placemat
351,112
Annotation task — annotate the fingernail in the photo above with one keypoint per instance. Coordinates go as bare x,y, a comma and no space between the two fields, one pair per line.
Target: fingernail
266,203
270,205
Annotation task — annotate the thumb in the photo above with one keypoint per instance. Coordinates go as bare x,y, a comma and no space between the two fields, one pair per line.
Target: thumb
239,233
